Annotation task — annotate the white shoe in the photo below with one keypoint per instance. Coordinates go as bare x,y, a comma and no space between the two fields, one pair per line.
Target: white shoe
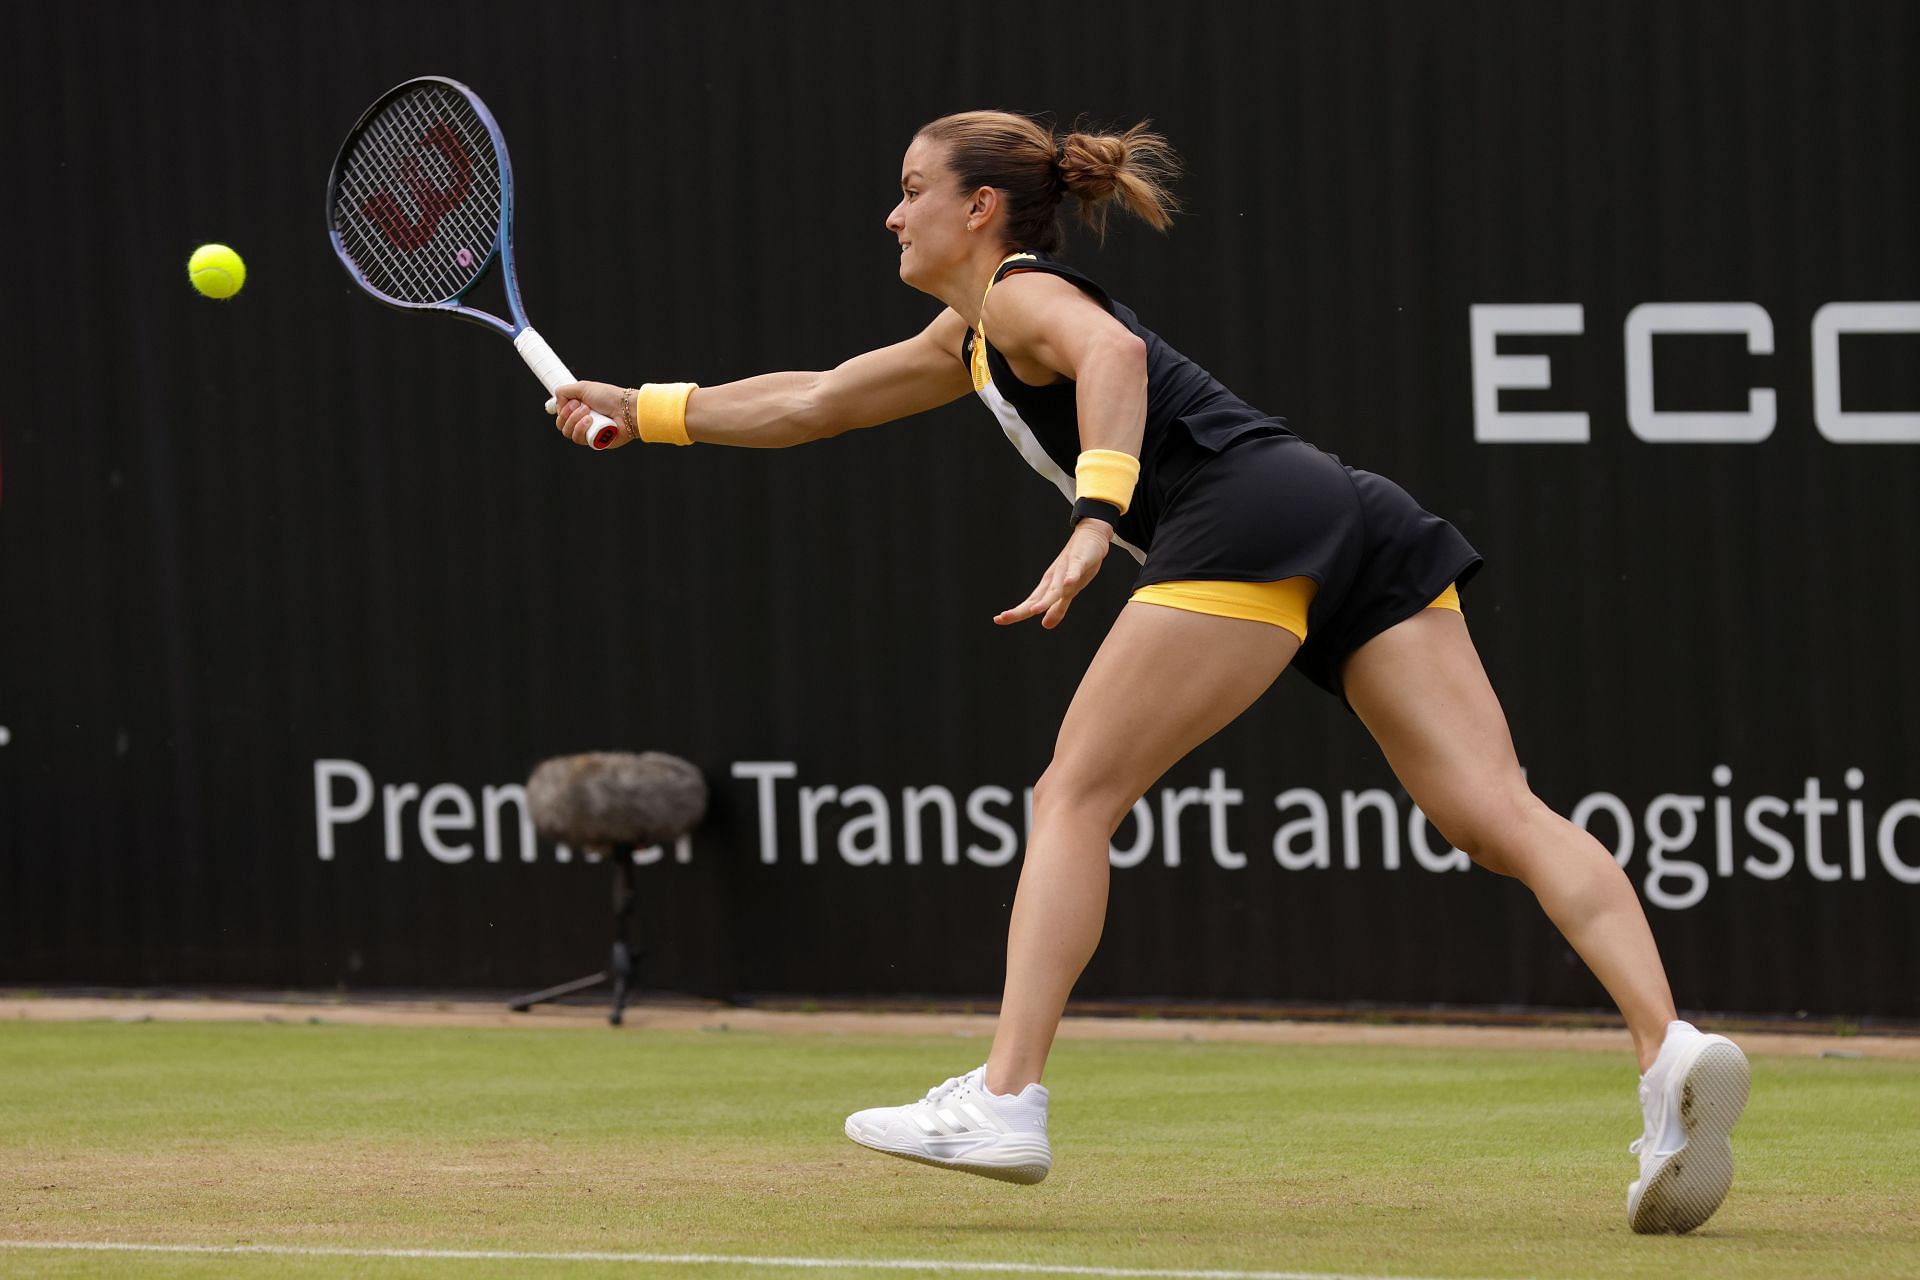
1692,1097
959,1125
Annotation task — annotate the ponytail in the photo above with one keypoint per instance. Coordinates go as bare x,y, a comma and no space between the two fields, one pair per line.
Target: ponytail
1133,170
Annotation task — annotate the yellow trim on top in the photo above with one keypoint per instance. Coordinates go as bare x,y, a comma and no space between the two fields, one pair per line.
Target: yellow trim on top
982,375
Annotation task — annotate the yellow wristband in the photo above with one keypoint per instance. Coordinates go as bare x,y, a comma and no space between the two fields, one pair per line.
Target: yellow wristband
660,411
1106,475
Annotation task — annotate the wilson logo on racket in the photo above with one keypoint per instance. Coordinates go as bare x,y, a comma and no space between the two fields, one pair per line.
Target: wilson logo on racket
434,203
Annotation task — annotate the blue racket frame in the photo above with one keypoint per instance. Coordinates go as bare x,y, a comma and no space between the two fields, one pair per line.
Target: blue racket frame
503,236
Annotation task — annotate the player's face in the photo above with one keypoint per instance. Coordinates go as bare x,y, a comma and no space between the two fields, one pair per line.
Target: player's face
931,219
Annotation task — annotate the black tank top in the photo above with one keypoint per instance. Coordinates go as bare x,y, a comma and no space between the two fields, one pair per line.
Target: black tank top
1190,416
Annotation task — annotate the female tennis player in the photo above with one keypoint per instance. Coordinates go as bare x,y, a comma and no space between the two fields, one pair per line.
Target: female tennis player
1257,551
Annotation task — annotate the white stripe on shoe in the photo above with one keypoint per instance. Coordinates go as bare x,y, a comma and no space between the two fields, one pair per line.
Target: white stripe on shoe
1001,1136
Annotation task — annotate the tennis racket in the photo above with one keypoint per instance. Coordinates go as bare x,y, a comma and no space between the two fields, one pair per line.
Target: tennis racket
420,206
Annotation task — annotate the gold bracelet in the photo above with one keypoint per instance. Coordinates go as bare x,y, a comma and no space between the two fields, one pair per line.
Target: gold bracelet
626,414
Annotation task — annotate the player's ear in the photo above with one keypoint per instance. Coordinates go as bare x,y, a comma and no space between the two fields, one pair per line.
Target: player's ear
981,206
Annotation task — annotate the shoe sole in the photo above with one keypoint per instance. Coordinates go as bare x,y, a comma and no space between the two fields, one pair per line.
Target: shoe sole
1684,1192
1029,1164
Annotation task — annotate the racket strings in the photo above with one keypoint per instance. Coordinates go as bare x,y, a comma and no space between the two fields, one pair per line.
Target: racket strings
418,202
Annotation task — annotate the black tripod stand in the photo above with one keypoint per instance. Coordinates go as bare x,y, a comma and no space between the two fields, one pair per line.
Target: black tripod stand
624,960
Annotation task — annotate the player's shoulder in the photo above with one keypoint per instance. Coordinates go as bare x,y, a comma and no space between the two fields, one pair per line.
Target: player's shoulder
1036,295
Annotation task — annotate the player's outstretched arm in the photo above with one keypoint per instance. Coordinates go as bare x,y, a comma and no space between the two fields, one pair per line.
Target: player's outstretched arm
775,410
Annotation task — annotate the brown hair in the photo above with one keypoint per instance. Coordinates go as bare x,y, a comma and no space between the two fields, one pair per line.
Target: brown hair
1020,158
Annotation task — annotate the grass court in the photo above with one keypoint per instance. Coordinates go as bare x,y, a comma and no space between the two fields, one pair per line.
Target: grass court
685,1145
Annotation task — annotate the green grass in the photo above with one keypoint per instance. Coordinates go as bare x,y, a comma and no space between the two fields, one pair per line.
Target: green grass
1188,1155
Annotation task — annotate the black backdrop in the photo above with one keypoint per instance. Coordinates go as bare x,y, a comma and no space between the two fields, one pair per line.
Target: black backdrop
297,535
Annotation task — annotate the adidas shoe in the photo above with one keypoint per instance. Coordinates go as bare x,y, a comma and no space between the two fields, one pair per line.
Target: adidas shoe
959,1125
1692,1096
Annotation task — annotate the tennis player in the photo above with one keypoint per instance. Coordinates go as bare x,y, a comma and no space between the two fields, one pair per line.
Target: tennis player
1257,551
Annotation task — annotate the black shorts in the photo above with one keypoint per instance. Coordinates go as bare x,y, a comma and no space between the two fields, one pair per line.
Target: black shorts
1273,507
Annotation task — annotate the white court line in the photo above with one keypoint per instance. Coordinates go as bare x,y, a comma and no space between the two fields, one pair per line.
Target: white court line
685,1259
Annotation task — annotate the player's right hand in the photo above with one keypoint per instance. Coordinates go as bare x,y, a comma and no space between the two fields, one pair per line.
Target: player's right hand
1064,579
574,404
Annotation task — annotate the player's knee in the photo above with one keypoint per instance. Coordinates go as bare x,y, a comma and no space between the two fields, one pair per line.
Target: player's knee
1496,831
1065,791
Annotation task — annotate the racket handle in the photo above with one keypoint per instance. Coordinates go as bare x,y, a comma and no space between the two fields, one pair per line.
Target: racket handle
604,432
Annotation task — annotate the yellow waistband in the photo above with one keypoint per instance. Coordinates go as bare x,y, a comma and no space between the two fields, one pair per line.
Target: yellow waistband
1283,604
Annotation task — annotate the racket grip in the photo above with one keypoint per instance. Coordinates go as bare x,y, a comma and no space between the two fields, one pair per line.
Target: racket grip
604,432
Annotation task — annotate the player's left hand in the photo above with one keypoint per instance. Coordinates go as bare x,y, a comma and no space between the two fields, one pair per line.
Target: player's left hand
1065,578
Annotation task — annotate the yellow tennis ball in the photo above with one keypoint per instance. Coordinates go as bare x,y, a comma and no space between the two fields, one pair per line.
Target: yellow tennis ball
216,271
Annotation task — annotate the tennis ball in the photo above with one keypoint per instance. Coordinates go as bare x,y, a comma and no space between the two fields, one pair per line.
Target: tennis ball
216,271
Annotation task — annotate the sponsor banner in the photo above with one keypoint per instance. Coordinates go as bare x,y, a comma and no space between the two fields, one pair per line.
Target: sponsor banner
296,606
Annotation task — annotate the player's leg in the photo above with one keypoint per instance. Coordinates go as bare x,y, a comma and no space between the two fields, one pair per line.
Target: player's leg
1164,681
1421,691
